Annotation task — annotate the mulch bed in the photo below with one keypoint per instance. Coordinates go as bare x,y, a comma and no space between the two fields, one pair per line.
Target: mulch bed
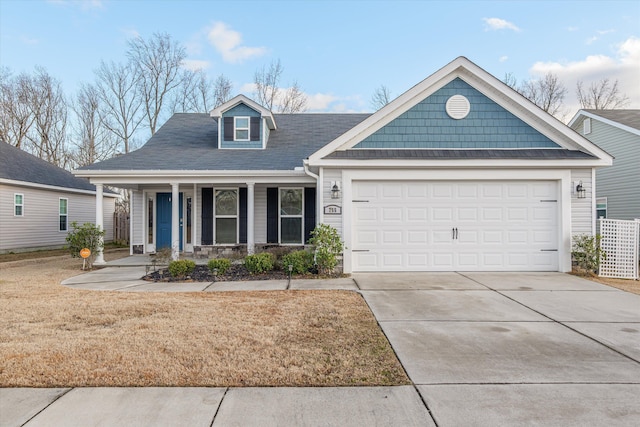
203,274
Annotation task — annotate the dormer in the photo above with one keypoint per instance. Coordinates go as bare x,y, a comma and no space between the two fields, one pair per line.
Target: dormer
242,123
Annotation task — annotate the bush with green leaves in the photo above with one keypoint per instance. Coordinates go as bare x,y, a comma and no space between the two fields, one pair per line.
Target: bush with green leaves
181,267
587,252
327,247
259,263
300,261
222,265
83,236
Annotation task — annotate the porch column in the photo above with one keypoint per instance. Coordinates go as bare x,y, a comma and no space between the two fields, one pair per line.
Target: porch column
250,219
100,224
194,210
175,222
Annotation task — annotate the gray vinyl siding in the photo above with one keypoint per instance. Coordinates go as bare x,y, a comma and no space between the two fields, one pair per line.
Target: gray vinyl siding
582,210
619,183
333,220
39,227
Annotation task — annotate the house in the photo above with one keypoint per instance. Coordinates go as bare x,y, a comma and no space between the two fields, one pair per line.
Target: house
39,201
618,133
458,173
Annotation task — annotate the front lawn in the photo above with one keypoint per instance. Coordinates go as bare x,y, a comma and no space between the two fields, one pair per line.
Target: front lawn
52,336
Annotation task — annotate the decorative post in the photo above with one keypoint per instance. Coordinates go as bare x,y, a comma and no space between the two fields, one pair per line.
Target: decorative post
175,222
100,224
250,218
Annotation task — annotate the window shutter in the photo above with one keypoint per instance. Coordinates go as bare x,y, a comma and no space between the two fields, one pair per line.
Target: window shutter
272,215
242,192
309,212
207,216
228,128
255,129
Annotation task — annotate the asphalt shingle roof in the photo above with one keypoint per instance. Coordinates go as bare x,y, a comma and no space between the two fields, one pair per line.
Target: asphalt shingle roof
187,141
18,165
629,118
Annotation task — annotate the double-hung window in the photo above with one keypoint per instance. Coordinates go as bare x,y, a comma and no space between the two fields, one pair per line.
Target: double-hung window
601,207
63,213
241,128
18,204
226,216
291,215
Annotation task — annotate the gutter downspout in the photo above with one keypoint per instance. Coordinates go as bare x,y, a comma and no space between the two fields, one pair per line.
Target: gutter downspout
305,162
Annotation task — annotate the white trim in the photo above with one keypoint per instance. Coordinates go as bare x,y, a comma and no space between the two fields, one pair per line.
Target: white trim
280,216
459,163
52,187
586,126
241,99
236,128
216,216
15,205
482,81
563,177
66,215
603,120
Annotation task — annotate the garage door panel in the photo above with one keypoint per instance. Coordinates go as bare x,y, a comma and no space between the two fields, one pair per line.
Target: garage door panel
506,226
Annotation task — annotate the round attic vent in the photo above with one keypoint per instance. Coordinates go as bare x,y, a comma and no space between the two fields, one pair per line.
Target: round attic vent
458,107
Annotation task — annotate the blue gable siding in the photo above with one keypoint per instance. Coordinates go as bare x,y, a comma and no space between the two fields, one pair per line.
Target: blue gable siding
244,111
427,125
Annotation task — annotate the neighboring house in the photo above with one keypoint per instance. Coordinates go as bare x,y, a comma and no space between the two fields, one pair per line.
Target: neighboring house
458,173
39,201
618,133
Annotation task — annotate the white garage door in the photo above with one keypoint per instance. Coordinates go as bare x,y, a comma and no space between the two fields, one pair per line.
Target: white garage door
455,226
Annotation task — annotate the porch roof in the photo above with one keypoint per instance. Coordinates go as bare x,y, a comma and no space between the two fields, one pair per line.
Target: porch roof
188,141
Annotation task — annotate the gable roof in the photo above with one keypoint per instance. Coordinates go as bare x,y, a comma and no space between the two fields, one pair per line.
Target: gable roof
188,141
628,120
18,165
217,112
484,83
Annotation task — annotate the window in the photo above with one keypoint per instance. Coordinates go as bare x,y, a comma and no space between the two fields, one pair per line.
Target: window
63,210
291,213
226,217
18,204
188,214
601,207
241,126
586,126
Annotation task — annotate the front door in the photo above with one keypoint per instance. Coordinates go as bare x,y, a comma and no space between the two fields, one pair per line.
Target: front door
163,218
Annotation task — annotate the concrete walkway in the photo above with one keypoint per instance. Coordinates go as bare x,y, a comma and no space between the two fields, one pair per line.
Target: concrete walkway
486,349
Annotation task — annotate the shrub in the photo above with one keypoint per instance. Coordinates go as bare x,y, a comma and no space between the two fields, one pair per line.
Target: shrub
302,262
181,267
328,246
221,264
587,252
82,236
259,263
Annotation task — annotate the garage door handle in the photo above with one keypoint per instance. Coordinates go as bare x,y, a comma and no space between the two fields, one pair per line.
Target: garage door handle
360,250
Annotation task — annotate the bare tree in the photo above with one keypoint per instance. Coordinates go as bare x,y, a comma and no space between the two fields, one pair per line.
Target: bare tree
269,94
16,117
601,95
158,62
222,90
93,140
381,97
547,92
122,107
197,93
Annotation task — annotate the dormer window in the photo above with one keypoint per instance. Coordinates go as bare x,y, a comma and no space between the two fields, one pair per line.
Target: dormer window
241,126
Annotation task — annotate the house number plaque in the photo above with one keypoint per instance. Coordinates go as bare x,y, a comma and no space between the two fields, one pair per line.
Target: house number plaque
333,210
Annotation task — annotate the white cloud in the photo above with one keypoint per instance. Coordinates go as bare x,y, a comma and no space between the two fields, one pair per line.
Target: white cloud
624,66
130,33
499,24
196,64
229,44
503,58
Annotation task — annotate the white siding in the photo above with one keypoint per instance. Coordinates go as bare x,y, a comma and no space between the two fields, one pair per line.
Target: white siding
330,175
39,227
581,209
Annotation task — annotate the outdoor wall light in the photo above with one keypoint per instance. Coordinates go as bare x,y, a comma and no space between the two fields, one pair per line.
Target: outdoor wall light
335,190
581,191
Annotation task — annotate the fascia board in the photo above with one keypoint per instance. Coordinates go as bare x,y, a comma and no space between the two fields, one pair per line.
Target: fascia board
459,164
241,99
53,187
186,173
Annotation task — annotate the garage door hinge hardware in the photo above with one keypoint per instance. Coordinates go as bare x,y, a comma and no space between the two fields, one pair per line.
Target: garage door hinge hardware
454,233
548,250
552,201
360,201
360,250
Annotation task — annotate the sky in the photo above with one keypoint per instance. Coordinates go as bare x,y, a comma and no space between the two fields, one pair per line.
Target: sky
338,52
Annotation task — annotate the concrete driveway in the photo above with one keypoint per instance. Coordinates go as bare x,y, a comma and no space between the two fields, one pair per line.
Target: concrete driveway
513,348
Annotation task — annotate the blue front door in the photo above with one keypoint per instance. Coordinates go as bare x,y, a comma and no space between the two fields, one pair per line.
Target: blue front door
163,217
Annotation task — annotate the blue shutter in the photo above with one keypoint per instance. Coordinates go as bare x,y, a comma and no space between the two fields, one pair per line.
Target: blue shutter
207,216
272,215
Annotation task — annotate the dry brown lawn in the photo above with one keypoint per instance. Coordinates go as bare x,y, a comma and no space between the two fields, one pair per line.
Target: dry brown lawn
52,336
632,286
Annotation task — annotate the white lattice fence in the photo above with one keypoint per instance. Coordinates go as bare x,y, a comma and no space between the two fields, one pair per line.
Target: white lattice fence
620,242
